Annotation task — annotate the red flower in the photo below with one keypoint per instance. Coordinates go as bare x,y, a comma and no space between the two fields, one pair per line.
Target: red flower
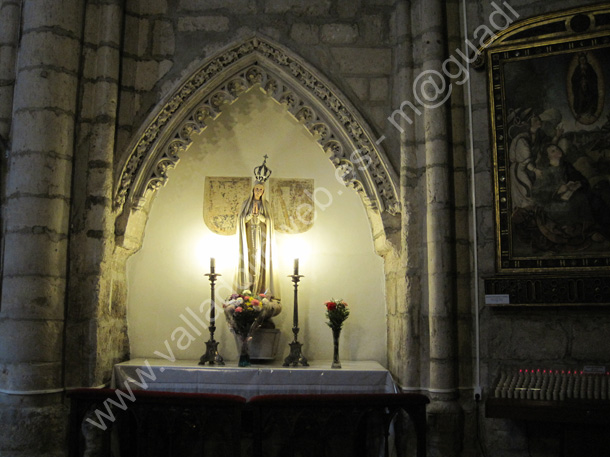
330,305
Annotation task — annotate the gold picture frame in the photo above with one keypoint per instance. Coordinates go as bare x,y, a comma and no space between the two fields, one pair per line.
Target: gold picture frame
549,92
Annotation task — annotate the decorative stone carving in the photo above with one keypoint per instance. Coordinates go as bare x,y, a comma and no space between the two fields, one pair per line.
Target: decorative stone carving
335,124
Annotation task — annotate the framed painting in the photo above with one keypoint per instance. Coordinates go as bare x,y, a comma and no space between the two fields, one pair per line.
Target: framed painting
549,88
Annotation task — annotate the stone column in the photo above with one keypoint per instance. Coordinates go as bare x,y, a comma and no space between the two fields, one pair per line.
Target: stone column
404,337
439,233
10,11
96,328
444,410
466,275
37,228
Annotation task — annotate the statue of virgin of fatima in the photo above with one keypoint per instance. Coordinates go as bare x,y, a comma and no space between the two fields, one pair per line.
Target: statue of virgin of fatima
256,243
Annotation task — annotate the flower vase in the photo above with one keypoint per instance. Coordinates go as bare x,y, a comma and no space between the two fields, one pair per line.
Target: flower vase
336,362
244,353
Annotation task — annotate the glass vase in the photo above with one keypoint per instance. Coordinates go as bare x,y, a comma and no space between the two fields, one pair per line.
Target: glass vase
336,362
244,353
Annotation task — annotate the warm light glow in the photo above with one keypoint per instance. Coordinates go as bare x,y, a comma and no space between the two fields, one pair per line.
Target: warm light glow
177,238
222,249
294,247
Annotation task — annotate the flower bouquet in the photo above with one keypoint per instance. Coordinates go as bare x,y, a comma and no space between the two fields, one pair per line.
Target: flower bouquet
245,313
336,313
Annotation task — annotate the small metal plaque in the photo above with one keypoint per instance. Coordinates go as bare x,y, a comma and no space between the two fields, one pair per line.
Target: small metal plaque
497,299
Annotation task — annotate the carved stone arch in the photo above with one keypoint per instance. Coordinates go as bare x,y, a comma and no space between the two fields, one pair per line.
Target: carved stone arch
334,123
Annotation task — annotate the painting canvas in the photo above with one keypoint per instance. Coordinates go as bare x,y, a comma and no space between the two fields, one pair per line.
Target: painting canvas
551,136
292,206
223,198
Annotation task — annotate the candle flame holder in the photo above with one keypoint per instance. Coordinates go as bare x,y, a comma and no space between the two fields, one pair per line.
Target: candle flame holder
211,355
295,357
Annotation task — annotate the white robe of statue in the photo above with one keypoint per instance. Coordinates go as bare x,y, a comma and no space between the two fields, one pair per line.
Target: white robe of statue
256,247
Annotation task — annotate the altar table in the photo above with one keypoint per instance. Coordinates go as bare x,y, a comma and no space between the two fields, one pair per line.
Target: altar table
188,376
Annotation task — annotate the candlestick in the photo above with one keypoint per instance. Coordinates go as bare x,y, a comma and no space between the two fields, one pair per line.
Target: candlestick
295,314
211,354
296,356
213,314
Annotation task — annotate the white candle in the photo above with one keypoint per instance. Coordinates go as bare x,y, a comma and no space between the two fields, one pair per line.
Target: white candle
296,266
212,264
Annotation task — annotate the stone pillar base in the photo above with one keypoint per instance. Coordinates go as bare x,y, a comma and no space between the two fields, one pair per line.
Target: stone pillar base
445,428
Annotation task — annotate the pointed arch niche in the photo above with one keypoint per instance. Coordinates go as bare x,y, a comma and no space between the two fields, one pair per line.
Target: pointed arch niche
271,103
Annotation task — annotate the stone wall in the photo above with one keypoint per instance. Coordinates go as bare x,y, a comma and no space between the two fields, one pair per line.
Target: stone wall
68,117
528,337
168,39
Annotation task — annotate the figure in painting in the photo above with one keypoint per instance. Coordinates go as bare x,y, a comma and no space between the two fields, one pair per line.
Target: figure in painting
256,242
567,214
530,132
560,191
585,91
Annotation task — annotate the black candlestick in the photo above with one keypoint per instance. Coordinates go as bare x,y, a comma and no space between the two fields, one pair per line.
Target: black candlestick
211,354
296,356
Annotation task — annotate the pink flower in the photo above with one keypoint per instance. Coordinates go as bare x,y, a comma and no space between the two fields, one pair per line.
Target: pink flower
239,309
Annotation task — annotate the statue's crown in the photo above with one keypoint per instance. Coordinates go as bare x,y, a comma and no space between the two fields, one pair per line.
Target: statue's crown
262,172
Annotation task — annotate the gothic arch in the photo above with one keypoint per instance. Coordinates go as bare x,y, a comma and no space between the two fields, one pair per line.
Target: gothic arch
335,124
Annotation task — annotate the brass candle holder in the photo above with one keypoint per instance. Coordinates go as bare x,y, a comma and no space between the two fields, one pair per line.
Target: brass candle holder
211,355
295,357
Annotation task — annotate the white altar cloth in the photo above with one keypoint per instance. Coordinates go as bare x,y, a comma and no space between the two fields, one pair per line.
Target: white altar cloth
188,376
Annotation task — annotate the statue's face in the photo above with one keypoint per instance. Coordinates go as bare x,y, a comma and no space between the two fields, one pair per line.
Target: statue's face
258,190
